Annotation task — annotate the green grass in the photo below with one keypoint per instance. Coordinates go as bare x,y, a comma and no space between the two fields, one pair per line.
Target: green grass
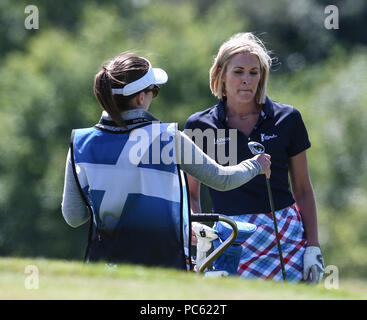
75,280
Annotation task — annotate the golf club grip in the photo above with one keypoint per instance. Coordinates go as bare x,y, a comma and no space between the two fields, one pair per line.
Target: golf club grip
204,217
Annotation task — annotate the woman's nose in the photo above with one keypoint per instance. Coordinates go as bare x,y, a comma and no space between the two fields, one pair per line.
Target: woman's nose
246,78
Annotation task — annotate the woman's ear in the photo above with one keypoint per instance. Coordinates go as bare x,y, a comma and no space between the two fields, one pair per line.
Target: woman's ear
139,99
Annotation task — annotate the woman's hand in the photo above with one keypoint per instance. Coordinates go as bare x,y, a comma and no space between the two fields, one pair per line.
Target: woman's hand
313,264
264,161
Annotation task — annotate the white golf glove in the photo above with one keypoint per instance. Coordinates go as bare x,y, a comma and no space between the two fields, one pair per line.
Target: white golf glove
313,264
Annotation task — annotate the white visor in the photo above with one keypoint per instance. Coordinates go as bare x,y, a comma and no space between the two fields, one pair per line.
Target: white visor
153,76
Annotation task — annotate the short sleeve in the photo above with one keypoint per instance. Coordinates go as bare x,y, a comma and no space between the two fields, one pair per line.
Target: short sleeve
192,124
299,140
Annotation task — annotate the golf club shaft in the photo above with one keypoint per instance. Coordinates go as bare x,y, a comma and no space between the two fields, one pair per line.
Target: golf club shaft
275,227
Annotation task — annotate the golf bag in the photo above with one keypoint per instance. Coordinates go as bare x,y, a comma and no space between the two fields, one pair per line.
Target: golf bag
226,237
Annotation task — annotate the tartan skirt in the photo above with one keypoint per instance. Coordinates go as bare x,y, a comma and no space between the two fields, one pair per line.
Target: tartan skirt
260,256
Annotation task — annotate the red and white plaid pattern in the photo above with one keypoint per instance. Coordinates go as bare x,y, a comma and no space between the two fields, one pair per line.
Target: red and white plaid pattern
260,256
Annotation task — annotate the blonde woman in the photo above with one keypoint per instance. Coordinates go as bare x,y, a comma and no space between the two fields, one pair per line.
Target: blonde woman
238,78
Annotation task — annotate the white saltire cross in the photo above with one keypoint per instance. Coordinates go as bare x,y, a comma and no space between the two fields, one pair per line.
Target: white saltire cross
123,178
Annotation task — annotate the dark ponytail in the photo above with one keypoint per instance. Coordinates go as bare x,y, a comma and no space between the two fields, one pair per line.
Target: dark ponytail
119,72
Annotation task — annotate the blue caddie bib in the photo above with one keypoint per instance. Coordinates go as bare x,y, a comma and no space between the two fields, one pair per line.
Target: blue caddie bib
136,194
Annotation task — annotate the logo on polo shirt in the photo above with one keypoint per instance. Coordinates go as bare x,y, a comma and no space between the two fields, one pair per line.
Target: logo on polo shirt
264,137
222,140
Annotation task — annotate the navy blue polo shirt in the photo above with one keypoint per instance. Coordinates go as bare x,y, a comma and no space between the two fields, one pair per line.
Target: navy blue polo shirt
281,130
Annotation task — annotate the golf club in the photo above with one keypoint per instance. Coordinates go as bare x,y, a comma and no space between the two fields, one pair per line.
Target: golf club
258,148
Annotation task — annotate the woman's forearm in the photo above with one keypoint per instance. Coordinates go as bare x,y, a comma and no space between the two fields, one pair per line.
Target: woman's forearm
194,187
195,205
306,204
303,194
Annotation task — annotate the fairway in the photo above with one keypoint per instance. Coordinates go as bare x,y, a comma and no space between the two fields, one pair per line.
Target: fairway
75,280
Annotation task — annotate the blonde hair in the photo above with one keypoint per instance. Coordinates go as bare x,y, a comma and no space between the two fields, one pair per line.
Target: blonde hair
240,43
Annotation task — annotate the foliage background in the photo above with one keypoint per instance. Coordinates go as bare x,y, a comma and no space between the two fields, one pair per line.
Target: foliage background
46,79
